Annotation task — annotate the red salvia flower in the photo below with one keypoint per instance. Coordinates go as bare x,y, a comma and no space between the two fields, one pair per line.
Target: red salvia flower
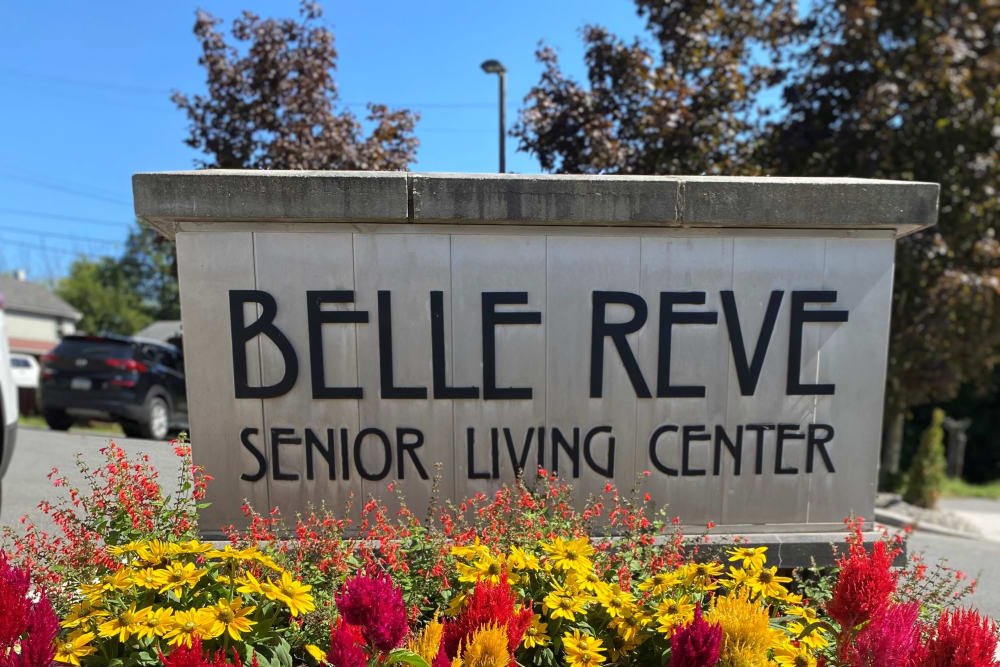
695,644
962,638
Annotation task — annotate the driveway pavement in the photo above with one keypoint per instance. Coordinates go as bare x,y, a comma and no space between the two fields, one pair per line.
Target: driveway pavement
39,450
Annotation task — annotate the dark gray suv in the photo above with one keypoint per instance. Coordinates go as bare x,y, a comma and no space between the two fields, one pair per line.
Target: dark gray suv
136,382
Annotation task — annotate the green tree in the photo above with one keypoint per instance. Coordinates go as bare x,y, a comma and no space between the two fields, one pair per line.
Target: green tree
272,105
902,89
149,271
99,291
911,89
926,475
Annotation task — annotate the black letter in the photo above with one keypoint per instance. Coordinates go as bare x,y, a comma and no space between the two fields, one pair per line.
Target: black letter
559,440
749,373
441,388
317,318
666,470
668,318
735,450
600,329
799,317
689,435
408,447
819,442
608,470
515,460
389,390
277,438
470,448
328,452
491,318
241,334
387,452
759,430
261,461
784,434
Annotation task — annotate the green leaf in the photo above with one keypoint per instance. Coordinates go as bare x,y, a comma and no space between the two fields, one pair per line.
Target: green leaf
401,655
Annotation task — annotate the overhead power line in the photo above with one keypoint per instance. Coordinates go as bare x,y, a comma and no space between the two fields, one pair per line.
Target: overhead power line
69,218
73,190
45,248
58,235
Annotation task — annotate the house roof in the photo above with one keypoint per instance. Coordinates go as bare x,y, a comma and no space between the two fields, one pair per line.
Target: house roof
161,330
35,299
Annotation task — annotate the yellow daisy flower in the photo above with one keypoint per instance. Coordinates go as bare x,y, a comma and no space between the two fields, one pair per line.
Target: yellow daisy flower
156,623
229,617
124,625
588,582
737,577
81,613
616,602
153,552
766,582
752,558
189,547
628,627
118,550
146,578
519,559
294,594
74,647
659,583
316,652
582,650
536,634
567,555
177,575
671,612
186,626
563,603
470,551
814,640
790,656
702,576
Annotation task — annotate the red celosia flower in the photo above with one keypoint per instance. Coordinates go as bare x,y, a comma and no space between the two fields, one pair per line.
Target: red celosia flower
371,602
863,587
892,639
695,644
488,604
194,657
962,638
345,646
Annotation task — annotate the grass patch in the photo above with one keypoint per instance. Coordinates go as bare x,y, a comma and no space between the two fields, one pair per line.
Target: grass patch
93,427
956,488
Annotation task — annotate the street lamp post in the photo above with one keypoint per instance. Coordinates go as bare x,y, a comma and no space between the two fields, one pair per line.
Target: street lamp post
494,67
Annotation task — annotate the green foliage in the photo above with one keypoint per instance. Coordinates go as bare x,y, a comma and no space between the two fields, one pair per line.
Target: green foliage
99,291
123,295
926,476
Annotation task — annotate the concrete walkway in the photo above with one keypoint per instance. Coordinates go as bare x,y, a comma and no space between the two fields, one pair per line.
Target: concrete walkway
981,512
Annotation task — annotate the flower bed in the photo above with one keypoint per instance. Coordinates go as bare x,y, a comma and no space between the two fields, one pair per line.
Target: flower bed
512,579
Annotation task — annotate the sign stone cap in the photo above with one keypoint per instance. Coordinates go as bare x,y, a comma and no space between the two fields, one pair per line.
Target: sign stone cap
168,199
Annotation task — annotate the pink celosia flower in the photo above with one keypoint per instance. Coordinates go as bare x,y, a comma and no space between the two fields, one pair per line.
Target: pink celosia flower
962,638
892,639
345,646
695,644
14,586
371,602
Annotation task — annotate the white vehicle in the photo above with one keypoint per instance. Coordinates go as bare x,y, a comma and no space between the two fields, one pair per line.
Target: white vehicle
8,399
25,370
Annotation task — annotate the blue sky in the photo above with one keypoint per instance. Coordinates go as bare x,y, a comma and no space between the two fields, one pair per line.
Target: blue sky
86,97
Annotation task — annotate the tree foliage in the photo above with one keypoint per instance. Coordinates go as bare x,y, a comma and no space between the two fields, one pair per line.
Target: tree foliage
273,104
901,89
122,295
926,476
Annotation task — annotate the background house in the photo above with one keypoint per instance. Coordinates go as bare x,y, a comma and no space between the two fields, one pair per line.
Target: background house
36,318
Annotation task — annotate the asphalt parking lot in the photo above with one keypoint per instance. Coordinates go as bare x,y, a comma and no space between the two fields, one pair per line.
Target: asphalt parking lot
39,450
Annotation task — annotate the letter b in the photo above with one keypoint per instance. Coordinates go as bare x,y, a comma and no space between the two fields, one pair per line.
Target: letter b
242,333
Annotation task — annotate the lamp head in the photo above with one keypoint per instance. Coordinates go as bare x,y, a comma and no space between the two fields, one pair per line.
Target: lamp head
493,67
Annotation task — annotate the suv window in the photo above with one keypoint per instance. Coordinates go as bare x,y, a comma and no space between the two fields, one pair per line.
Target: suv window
19,363
94,349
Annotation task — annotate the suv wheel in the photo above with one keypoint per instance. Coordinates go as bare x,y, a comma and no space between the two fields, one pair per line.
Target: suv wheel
156,425
58,420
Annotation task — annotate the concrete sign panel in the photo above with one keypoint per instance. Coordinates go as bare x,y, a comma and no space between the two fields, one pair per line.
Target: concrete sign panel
722,339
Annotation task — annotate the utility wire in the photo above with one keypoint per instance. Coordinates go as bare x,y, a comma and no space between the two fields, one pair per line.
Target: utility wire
70,218
67,189
45,248
58,235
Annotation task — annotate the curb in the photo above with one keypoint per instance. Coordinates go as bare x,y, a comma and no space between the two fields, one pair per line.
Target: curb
901,521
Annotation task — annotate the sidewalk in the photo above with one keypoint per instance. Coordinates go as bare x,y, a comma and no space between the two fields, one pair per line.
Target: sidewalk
970,518
983,513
